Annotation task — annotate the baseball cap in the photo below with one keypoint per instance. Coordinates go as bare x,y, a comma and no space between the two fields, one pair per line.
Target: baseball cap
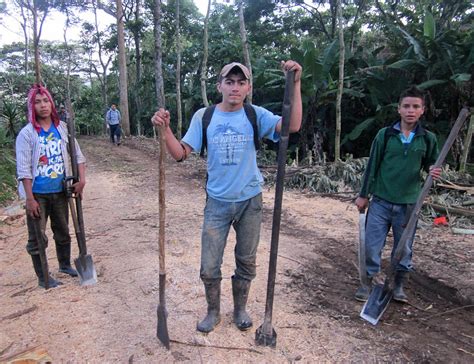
228,67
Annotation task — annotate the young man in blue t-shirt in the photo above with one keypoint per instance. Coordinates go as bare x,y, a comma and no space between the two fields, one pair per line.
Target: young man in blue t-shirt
234,186
42,164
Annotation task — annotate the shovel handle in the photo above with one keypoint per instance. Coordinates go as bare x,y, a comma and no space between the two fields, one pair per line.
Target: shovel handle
161,201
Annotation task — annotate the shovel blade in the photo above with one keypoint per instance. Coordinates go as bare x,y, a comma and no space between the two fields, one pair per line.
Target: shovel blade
266,336
377,303
86,270
162,329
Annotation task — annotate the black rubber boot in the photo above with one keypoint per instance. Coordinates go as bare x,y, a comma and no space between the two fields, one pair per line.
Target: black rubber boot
64,258
39,273
213,298
363,292
240,291
400,279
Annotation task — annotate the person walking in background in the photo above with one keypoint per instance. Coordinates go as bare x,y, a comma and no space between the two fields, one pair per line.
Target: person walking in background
43,162
63,115
113,119
234,184
393,179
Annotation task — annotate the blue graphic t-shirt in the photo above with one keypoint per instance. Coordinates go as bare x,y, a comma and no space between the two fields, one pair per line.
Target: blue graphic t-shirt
50,171
233,174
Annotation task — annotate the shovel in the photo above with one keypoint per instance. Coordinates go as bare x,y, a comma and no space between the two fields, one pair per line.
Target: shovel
381,294
362,265
42,250
162,329
265,334
84,264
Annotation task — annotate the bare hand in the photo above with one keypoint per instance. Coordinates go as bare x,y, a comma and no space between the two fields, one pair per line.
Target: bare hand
32,208
362,203
292,66
435,172
78,188
161,118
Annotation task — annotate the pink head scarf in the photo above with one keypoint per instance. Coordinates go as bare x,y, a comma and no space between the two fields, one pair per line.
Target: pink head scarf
35,90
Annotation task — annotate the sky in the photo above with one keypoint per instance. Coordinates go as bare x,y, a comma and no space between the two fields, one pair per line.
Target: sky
10,29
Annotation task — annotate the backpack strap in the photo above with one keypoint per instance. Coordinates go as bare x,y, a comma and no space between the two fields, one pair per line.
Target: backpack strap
206,120
252,116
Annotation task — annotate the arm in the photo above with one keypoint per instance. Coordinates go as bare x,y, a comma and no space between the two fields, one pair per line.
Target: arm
79,186
178,150
296,104
32,206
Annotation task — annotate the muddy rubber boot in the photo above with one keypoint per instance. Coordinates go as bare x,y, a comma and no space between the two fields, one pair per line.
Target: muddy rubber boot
213,298
64,258
363,292
240,292
398,293
39,273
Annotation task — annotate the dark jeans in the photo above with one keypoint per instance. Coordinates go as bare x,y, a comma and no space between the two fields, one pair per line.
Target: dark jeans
219,216
115,131
55,207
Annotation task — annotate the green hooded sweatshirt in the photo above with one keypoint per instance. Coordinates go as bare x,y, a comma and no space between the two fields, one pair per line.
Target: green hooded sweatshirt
394,170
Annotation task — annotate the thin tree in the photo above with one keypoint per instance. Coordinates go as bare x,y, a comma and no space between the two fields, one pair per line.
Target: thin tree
178,74
122,63
205,56
245,44
337,143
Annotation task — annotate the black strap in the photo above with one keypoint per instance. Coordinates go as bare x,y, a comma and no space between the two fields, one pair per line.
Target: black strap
251,116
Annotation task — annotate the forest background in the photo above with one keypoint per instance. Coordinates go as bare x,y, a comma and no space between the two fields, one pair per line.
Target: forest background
357,57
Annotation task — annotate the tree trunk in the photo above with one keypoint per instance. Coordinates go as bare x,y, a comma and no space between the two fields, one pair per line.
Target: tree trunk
245,45
205,56
467,144
178,75
122,62
337,143
36,44
138,67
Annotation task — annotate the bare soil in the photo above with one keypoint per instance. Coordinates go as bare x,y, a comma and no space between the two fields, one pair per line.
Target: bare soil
314,315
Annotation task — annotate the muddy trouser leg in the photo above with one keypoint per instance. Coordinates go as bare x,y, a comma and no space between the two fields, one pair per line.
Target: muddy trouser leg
376,229
60,225
44,201
247,226
217,221
404,266
112,133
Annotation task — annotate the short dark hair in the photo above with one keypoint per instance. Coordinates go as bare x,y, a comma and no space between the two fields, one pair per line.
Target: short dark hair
412,91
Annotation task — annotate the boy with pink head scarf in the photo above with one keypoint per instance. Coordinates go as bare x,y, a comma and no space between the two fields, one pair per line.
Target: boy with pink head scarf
43,162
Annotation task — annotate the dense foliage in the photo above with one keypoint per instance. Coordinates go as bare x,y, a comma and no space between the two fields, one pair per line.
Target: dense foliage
389,46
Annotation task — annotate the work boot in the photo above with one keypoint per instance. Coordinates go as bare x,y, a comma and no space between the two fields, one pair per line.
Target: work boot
64,258
39,273
213,298
240,292
363,292
398,294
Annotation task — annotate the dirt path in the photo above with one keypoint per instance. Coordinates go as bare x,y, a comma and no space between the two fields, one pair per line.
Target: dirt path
315,315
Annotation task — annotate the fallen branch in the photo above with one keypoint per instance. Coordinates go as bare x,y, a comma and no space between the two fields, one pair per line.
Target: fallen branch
446,312
19,313
216,346
452,210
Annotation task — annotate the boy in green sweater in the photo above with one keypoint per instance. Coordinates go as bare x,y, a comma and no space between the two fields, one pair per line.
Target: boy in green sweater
393,180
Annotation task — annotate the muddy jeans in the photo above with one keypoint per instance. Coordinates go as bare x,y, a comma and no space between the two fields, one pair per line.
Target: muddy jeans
55,207
246,218
382,216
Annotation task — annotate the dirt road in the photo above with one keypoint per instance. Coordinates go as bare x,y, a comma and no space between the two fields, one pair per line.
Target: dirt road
315,315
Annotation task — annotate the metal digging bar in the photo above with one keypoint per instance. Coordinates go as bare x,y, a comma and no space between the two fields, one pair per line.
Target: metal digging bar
84,264
162,328
265,334
381,294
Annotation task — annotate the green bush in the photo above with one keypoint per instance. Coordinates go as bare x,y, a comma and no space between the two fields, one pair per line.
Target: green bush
7,168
